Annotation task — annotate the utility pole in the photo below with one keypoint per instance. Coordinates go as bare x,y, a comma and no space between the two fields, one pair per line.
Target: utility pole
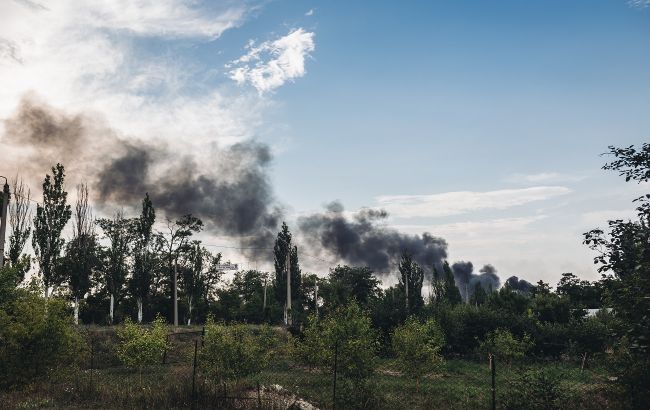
406,287
264,304
175,293
3,223
288,269
316,299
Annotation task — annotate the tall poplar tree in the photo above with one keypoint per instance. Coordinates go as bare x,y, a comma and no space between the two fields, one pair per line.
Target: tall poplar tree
281,249
411,278
81,252
51,217
115,257
143,257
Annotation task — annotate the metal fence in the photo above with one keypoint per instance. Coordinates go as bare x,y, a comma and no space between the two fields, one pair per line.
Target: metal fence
290,384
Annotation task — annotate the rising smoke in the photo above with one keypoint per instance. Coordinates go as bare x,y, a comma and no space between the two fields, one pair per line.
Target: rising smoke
520,285
362,240
233,195
227,187
466,279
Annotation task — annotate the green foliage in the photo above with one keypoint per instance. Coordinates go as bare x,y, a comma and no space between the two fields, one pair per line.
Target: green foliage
623,250
281,249
507,300
451,291
19,219
51,218
349,282
141,346
418,347
581,294
37,337
535,390
346,332
550,307
233,352
143,260
505,346
410,282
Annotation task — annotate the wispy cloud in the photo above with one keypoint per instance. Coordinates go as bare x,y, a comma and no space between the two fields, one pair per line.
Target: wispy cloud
543,178
472,229
273,63
310,12
456,203
639,4
84,56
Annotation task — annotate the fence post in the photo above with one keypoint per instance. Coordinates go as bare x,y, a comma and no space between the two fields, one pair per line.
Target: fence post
196,348
92,360
494,386
336,356
165,352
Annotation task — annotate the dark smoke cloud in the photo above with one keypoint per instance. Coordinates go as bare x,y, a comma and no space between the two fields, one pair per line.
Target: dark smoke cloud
361,240
488,278
237,201
466,279
463,273
519,285
233,196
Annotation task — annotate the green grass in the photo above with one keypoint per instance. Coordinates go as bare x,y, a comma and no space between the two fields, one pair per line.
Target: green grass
458,384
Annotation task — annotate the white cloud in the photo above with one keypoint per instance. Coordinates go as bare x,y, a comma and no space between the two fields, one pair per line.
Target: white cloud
543,178
310,12
456,203
273,63
83,56
639,4
594,219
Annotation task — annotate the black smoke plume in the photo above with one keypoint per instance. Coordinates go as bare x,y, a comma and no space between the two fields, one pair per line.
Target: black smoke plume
463,273
466,279
519,285
233,195
488,278
361,240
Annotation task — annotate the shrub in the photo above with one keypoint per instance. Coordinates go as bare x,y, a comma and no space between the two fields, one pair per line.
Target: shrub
37,337
505,346
349,331
233,352
139,346
417,346
535,390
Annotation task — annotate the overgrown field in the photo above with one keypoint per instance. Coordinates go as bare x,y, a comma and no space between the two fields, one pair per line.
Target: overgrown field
458,383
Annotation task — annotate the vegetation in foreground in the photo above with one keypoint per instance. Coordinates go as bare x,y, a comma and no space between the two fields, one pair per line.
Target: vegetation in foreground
354,345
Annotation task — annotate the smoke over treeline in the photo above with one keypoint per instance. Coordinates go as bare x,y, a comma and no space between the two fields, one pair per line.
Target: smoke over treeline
361,239
466,279
520,285
229,188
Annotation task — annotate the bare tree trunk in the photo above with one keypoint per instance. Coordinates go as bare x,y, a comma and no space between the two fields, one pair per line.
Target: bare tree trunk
189,312
111,309
139,310
76,310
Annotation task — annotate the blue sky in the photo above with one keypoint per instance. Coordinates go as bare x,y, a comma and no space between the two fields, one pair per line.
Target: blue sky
478,121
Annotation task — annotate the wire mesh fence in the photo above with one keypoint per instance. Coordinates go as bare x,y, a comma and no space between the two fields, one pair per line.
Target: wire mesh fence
182,380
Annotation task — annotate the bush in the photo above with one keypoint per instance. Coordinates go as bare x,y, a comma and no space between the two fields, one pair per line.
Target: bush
505,346
233,352
139,346
417,346
347,330
348,333
36,337
535,390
